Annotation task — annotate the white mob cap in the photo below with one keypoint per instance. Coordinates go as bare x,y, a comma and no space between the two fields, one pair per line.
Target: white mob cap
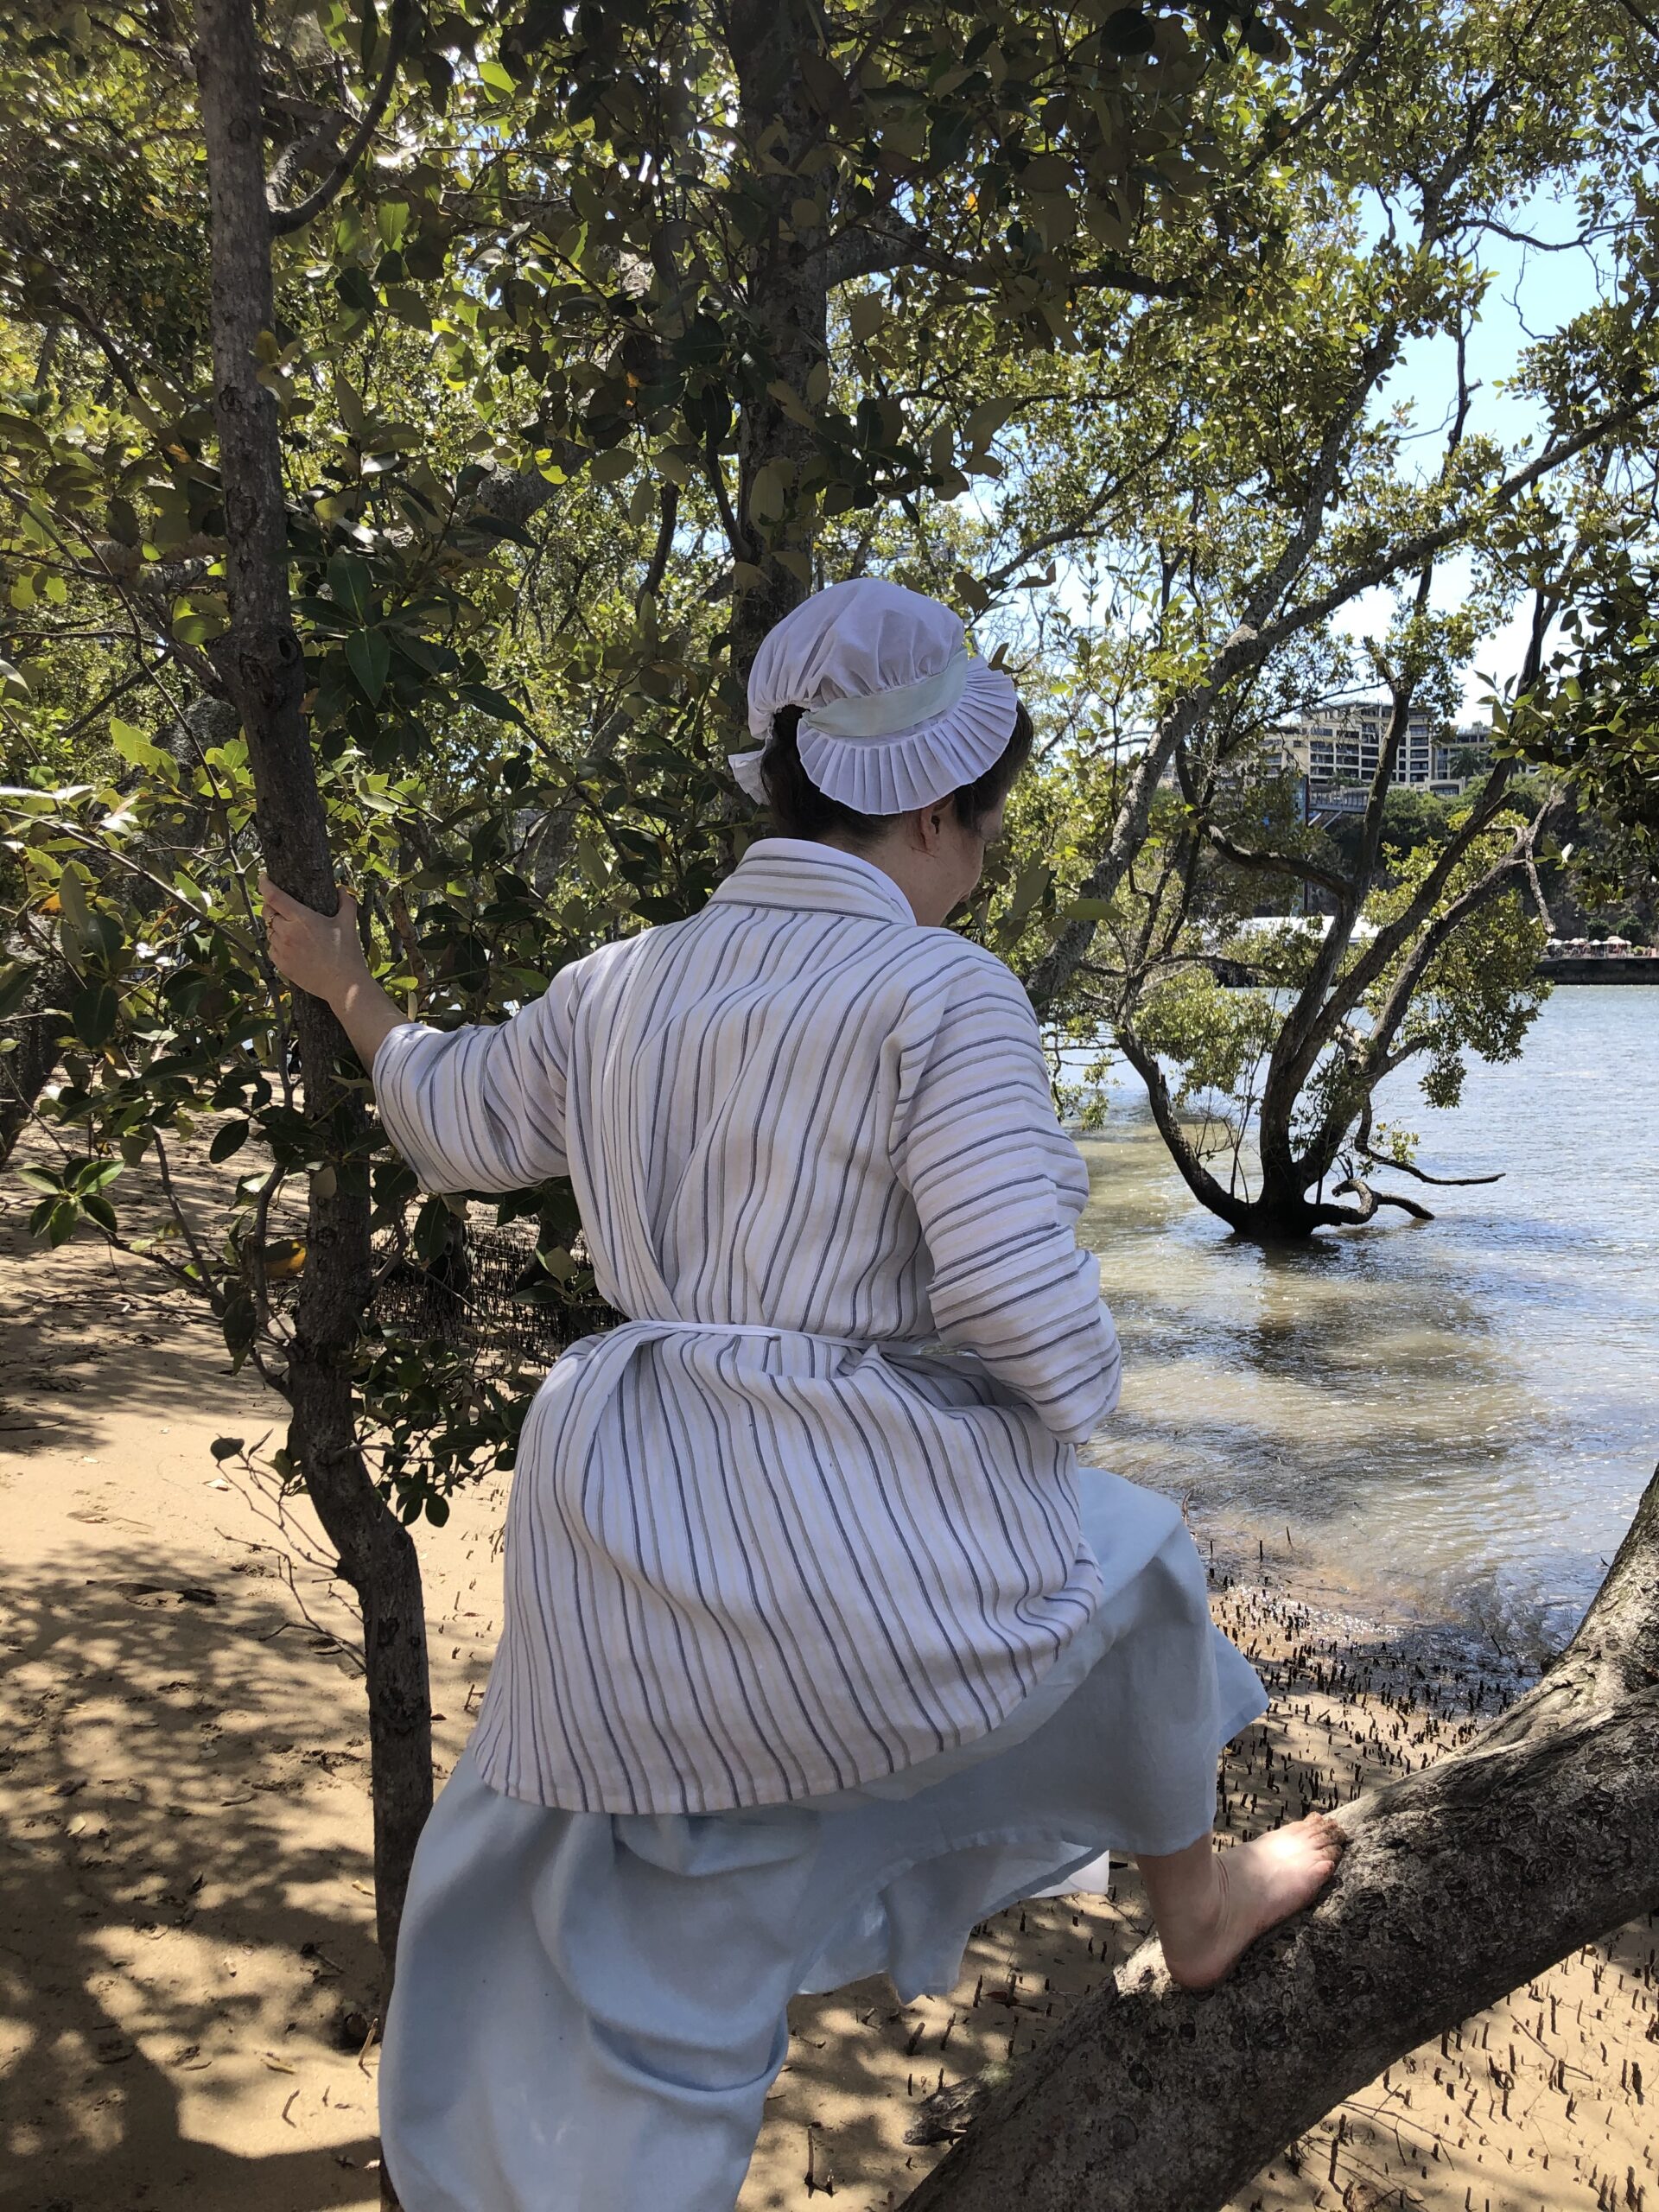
898,711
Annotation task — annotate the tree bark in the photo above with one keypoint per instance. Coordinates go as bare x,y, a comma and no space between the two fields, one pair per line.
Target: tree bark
26,1070
789,307
1460,1884
263,669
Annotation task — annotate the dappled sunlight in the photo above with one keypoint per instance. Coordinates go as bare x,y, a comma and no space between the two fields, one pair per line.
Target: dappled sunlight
184,1889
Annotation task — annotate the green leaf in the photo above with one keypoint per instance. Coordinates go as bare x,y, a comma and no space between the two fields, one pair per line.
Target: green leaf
437,1511
40,1178
100,1211
351,585
61,1221
238,1324
987,418
228,1139
491,702
1128,30
428,658
225,1447
16,976
94,1012
866,315
97,1175
493,526
768,493
71,898
103,934
1029,886
139,751
368,653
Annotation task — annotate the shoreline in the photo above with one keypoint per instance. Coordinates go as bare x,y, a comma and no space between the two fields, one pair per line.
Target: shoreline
1414,1635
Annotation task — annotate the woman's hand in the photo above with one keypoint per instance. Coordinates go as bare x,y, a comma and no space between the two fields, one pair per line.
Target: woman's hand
322,954
319,953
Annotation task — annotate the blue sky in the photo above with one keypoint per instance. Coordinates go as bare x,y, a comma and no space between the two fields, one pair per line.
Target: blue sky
1531,293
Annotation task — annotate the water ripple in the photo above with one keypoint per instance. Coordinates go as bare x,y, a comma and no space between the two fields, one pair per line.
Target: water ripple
1461,1415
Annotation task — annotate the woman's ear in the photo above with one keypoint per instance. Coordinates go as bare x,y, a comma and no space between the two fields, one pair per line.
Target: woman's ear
927,826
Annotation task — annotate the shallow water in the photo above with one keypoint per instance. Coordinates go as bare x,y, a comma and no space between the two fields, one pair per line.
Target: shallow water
1452,1419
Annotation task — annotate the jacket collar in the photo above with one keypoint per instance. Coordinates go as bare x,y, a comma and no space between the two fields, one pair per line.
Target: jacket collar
798,873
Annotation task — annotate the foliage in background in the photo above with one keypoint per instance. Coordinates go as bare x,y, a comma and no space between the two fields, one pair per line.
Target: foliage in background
634,324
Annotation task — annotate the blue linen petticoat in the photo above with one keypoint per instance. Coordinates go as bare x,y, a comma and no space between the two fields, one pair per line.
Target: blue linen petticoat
589,2008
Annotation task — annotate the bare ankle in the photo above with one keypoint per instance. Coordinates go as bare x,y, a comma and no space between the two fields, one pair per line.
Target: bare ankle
1186,1890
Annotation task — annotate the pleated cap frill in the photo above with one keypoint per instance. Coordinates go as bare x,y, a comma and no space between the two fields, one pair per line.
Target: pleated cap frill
897,711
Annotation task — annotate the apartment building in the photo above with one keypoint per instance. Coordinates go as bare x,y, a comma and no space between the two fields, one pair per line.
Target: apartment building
1340,750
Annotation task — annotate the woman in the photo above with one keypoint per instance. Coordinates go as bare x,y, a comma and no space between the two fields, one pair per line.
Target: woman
819,1646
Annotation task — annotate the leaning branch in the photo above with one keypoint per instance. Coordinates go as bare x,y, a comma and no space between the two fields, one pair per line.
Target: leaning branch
1198,1179
1276,863
1460,1884
1429,543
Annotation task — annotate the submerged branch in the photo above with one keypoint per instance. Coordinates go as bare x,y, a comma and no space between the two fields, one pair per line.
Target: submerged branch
1369,1200
1422,1175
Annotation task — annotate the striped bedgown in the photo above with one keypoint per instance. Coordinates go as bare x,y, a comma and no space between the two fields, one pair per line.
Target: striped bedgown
811,1517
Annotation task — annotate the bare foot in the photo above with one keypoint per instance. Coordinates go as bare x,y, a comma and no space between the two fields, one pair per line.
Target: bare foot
1252,1888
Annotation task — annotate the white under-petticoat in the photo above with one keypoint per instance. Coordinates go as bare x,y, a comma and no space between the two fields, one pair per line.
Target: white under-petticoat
590,2007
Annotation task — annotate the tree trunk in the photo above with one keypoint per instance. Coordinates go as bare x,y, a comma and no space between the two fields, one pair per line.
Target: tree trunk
788,304
26,1070
263,669
1460,1884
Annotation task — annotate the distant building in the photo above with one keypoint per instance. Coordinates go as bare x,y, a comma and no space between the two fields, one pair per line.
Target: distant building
1333,757
1340,750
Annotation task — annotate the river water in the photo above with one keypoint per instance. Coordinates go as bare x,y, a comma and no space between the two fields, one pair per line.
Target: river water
1450,1420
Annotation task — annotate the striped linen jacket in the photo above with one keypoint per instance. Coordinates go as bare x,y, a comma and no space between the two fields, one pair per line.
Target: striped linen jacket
810,1517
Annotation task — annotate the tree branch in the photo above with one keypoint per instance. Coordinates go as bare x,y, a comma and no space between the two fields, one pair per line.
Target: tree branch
1276,863
1246,647
284,219
1198,1179
1422,1175
669,513
885,243
1416,549
1369,1200
1460,1884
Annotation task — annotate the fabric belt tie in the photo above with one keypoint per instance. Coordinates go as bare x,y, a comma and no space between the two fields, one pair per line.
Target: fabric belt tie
775,1329
576,1393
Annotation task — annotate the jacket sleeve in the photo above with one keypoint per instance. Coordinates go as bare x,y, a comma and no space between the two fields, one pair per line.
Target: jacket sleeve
482,1108
997,1186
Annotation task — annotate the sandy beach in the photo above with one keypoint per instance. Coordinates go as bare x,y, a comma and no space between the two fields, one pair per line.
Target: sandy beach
186,1959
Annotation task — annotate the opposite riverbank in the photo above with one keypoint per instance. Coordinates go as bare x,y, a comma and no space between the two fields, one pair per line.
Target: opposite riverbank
184,1929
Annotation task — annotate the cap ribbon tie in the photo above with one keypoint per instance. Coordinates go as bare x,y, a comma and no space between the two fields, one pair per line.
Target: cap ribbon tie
887,712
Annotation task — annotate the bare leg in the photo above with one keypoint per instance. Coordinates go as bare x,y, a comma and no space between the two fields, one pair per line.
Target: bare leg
1210,1905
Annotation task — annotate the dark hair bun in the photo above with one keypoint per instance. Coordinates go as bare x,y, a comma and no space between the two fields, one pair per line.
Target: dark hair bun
799,809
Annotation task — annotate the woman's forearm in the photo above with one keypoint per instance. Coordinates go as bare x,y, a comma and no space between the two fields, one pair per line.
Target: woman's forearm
368,1014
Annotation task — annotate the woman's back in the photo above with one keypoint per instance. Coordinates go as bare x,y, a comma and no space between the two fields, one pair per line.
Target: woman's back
752,1556
742,1100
